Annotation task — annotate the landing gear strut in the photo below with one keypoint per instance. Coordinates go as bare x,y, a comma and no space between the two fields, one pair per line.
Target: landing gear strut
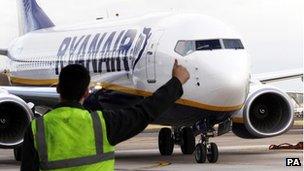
204,149
185,137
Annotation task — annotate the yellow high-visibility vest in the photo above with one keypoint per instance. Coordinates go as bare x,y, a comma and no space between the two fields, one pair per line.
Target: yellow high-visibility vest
69,138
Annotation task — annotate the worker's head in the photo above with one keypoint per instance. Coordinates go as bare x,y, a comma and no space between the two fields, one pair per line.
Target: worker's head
73,83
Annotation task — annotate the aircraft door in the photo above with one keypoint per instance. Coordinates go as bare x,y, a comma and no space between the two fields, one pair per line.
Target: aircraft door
151,56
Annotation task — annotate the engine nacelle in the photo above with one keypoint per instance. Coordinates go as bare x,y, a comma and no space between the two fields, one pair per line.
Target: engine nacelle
267,112
15,116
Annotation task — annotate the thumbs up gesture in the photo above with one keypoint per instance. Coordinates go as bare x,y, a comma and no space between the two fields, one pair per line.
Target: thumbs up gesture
180,72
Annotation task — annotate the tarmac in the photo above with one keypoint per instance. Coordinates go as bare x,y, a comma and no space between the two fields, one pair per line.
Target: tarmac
141,153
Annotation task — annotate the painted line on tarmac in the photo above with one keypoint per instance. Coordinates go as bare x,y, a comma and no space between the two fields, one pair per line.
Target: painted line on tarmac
253,147
221,148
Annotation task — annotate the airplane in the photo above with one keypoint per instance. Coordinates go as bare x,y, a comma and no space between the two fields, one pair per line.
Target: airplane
130,58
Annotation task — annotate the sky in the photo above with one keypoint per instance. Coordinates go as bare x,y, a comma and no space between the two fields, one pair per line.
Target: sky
272,29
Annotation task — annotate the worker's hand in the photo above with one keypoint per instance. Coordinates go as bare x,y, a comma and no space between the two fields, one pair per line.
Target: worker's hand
180,72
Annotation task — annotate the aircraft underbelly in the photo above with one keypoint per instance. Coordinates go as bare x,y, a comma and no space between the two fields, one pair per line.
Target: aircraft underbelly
177,115
180,115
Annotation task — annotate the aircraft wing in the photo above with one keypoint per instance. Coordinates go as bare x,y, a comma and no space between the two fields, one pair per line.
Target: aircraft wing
278,75
45,96
48,96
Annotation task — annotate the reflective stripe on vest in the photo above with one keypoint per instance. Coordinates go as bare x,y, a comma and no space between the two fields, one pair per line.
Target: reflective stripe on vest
73,162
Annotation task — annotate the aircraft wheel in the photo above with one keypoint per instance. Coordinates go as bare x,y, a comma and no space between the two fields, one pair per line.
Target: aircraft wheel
18,153
188,141
165,141
212,154
200,153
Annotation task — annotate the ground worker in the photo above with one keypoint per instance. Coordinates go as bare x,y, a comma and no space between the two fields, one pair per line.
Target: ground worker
72,138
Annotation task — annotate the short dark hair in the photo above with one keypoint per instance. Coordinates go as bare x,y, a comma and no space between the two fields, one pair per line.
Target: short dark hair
74,80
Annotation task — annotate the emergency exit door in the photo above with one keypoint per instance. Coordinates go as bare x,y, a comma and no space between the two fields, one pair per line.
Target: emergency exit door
151,56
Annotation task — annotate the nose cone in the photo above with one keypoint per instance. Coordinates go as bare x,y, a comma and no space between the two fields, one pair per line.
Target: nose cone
228,86
223,79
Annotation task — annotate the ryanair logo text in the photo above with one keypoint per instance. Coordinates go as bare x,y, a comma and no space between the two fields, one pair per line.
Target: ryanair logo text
104,52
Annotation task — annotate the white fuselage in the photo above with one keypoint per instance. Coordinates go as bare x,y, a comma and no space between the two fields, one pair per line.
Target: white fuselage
145,48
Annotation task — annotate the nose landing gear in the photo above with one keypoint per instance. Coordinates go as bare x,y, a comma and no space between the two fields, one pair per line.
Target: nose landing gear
204,149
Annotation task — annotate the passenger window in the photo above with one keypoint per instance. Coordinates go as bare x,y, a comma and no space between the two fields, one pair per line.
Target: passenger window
184,47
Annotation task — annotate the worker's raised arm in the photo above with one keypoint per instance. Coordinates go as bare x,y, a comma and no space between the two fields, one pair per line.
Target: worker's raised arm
126,123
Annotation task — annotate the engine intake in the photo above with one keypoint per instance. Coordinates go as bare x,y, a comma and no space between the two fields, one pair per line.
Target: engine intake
15,116
267,112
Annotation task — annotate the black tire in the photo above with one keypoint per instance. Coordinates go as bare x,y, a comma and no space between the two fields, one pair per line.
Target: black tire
200,153
165,142
18,153
188,141
213,155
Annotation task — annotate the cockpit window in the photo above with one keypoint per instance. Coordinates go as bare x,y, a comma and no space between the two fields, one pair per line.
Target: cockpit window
233,44
184,47
207,44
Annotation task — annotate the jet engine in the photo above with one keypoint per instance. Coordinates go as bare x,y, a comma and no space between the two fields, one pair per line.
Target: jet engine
267,112
15,116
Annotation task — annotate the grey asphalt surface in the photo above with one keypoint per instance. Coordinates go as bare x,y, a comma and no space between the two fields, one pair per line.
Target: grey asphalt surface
141,153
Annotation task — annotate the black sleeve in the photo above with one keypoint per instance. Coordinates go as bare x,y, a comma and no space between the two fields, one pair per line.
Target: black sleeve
126,123
30,158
